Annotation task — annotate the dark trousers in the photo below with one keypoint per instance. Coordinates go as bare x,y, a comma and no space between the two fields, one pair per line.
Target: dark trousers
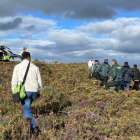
95,74
116,84
136,85
104,80
5,60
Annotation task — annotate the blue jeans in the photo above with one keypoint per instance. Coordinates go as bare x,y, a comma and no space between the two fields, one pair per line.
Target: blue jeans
26,104
126,85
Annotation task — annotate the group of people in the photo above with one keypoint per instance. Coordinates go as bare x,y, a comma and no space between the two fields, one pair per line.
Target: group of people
6,57
118,76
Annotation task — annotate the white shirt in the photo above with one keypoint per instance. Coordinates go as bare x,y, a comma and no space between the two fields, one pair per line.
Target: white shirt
90,63
33,81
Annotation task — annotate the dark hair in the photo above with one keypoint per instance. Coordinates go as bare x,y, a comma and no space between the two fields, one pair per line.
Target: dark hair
135,66
25,55
115,61
96,61
106,60
126,63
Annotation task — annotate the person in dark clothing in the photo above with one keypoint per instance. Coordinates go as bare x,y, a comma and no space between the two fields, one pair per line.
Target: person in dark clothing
95,70
104,72
127,74
136,77
115,76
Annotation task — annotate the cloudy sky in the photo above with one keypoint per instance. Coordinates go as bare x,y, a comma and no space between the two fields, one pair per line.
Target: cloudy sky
72,30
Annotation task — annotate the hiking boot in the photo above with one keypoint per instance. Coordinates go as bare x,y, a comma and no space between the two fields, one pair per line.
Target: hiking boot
35,131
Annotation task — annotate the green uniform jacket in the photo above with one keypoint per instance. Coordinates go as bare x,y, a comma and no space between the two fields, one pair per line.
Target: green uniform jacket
96,68
104,69
116,73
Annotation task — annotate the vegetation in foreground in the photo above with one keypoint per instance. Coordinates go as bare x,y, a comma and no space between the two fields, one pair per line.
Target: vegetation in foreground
71,107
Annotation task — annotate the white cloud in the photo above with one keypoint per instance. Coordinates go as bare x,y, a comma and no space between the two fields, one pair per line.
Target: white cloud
46,41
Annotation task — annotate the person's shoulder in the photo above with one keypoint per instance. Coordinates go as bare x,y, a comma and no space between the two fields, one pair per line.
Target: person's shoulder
34,66
16,66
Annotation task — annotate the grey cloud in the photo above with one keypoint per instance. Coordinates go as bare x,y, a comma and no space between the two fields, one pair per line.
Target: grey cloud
74,9
31,27
11,24
50,53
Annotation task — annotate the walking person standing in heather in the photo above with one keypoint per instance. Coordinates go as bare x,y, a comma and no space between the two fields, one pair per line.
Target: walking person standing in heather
91,64
136,77
127,74
33,86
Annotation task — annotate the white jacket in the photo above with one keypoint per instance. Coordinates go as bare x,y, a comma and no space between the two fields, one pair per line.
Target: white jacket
90,63
33,81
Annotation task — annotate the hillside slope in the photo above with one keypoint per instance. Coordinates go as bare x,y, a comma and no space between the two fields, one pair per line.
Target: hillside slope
71,107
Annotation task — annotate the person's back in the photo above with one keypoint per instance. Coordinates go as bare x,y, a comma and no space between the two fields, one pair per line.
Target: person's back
33,86
116,73
127,75
8,57
105,68
136,77
32,79
104,72
5,57
115,76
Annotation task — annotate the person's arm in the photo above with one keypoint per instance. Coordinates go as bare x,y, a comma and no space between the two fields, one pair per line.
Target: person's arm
99,69
113,74
123,72
109,69
109,72
14,78
139,75
39,82
132,73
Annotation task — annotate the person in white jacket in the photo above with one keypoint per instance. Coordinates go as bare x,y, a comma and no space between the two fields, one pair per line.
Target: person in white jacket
33,86
91,64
